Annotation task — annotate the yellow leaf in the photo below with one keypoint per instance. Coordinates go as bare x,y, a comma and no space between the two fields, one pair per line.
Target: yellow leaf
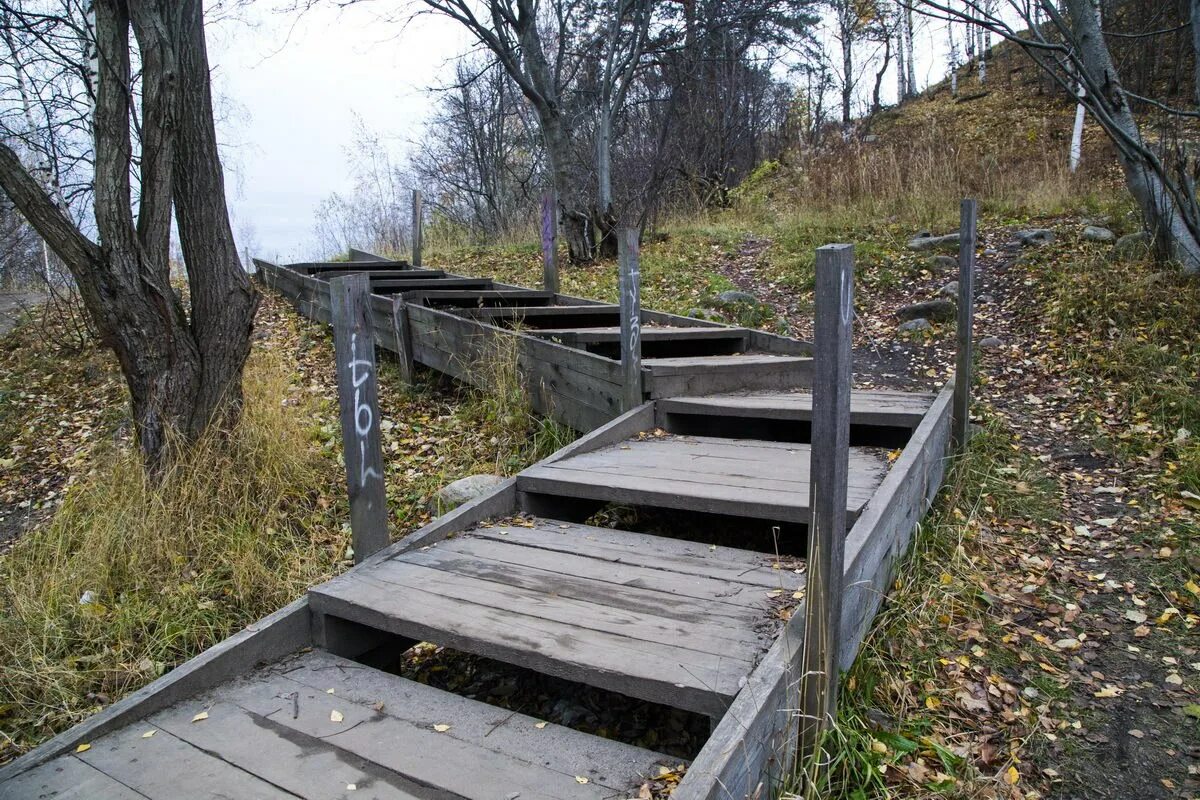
947,579
932,702
539,725
335,716
203,715
1012,776
148,734
1192,587
581,779
83,748
441,728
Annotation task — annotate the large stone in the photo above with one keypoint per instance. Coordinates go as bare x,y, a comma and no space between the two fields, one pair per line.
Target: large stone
918,324
949,290
1132,247
1035,237
733,297
944,262
1094,233
990,343
463,490
940,310
924,241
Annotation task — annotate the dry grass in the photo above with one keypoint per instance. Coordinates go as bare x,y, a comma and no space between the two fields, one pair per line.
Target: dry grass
132,577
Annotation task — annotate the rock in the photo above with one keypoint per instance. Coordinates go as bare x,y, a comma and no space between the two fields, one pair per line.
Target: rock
1132,247
949,290
945,262
940,310
991,251
703,313
463,490
1035,237
985,300
990,343
924,241
734,297
918,324
1094,233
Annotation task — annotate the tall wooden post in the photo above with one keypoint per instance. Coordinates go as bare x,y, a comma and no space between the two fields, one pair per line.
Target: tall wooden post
828,470
631,316
960,429
417,232
354,351
550,241
403,334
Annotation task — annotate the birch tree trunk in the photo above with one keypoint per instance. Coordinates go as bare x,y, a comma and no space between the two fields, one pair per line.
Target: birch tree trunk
1172,219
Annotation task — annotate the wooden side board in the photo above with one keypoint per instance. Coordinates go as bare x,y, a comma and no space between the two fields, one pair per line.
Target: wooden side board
753,748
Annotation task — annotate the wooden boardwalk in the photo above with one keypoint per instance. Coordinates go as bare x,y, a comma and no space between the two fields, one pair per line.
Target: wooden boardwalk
695,611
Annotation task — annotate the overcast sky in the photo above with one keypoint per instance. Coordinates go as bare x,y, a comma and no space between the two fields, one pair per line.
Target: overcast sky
288,87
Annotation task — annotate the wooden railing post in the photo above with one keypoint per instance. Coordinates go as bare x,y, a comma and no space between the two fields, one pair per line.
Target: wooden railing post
417,231
960,429
550,241
828,470
354,351
403,334
631,316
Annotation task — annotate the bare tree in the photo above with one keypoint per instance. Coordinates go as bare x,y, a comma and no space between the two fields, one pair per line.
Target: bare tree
1158,175
183,371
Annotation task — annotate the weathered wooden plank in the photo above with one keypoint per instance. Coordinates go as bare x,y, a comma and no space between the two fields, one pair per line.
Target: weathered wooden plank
293,761
828,486
386,286
651,671
550,240
964,358
483,297
402,336
603,761
432,759
272,637
891,408
66,778
670,377
630,292
412,575
358,393
418,227
672,555
600,588
363,255
632,573
163,767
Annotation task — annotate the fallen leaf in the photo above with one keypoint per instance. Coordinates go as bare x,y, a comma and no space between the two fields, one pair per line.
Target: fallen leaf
581,779
539,725
203,715
83,748
1109,691
148,734
1011,776
441,728
335,716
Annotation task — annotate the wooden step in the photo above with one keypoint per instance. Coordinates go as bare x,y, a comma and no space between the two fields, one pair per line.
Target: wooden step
867,407
318,726
703,375
659,619
530,317
390,285
379,274
738,477
577,336
316,268
484,297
